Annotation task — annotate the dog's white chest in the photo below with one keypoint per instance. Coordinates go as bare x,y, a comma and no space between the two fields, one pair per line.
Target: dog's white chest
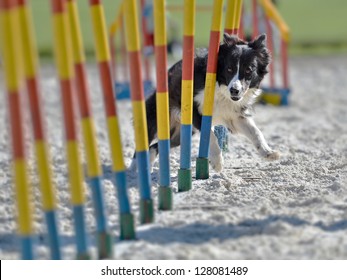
224,109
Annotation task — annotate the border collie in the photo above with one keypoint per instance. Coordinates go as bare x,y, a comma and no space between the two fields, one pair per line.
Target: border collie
241,68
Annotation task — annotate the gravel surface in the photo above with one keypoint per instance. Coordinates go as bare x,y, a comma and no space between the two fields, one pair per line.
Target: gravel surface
293,208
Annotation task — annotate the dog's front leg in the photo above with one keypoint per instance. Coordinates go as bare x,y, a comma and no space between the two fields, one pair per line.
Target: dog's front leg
215,155
247,127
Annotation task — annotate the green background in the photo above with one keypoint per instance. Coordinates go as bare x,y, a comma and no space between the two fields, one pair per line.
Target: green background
317,26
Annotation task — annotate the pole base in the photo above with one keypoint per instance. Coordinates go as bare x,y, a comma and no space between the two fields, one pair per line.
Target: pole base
165,198
127,228
146,211
85,256
202,172
184,180
105,245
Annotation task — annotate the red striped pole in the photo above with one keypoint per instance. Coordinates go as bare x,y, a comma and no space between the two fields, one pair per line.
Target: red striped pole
185,172
30,60
147,40
233,16
113,32
94,172
162,100
232,25
118,167
241,32
255,18
123,51
271,49
13,80
202,165
284,59
63,56
113,57
139,110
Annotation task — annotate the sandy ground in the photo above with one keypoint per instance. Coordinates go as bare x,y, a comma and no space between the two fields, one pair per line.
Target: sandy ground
294,208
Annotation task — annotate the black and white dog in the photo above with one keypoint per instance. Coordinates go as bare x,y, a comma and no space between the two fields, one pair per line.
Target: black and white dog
241,68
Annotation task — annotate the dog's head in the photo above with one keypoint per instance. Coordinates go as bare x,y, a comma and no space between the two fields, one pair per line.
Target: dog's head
241,65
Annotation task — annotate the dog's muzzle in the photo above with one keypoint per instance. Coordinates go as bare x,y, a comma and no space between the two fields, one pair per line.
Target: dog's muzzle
235,90
234,94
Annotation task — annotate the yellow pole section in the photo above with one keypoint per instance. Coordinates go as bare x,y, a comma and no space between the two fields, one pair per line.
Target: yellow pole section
117,23
237,14
230,16
188,63
13,79
161,65
212,58
28,50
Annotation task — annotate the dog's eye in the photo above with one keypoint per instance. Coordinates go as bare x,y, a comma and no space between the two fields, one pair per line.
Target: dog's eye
230,70
248,71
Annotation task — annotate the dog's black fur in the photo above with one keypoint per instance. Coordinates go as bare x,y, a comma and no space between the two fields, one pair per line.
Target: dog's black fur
241,67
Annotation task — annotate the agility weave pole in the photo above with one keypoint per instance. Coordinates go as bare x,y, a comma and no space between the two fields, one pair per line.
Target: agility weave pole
147,41
162,98
277,95
255,19
117,27
114,28
233,17
139,110
185,172
65,71
14,88
270,45
202,164
93,168
231,26
88,131
103,57
30,62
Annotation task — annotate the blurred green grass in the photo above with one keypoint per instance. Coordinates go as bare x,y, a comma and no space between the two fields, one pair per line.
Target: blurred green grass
317,26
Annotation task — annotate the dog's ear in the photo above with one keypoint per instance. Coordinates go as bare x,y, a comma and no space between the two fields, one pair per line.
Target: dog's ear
262,54
231,40
259,42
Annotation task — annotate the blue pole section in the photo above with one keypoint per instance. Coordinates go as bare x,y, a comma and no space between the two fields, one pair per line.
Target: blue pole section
186,138
185,172
164,163
204,147
98,201
123,199
80,229
27,247
144,174
127,230
162,105
54,243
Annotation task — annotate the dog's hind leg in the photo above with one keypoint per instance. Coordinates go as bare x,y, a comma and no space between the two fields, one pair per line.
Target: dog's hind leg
153,153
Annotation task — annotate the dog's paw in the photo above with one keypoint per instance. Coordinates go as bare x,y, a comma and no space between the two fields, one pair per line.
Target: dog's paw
217,162
272,155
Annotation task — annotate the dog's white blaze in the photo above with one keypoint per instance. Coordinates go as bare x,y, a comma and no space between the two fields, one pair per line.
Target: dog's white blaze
235,82
237,85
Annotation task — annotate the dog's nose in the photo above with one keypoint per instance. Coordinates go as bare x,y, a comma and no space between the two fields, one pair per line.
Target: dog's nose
234,91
